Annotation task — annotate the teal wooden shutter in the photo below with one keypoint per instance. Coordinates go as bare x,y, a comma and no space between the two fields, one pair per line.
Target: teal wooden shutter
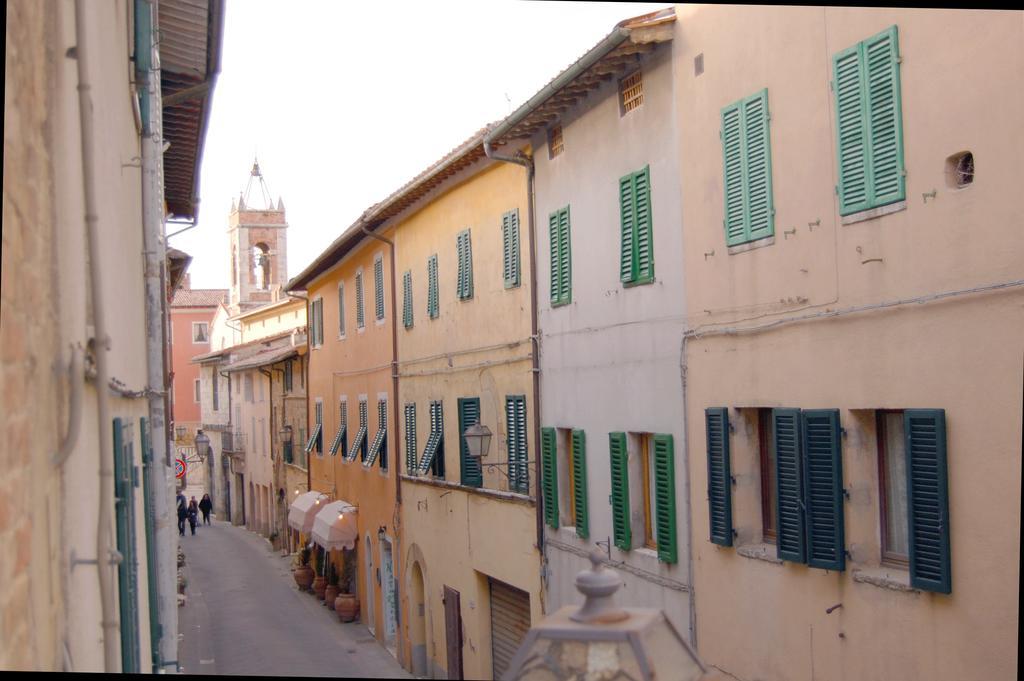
579,483
432,295
619,458
627,222
789,485
152,566
746,150
928,499
518,472
885,120
407,299
665,498
124,505
378,287
469,414
410,439
760,208
869,123
564,258
341,310
510,248
549,470
360,316
553,238
716,426
644,230
464,251
823,485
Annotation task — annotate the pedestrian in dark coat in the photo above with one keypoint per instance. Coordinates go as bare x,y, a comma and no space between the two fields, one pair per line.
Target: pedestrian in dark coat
206,505
182,513
193,514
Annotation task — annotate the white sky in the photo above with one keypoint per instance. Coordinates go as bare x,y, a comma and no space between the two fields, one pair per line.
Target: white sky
344,102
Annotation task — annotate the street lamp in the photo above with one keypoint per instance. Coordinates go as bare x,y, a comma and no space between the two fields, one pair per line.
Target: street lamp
599,640
202,441
478,440
286,443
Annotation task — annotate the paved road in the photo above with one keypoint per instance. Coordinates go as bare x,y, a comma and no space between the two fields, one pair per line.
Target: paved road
244,615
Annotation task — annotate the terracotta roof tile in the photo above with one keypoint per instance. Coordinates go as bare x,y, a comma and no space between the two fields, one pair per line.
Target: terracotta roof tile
199,297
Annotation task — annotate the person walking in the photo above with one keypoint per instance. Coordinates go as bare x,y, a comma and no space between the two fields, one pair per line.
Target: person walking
193,515
182,513
206,505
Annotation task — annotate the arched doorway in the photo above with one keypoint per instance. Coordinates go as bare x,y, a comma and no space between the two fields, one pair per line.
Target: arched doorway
418,622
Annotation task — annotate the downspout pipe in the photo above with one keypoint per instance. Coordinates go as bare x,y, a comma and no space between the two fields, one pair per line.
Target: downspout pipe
101,346
527,162
161,574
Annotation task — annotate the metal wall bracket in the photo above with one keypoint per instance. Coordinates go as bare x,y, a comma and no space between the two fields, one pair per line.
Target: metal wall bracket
115,559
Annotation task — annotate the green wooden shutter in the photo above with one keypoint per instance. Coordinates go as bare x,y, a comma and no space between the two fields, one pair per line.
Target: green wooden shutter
467,251
619,458
928,499
823,485
885,121
407,299
124,505
732,152
549,470
665,498
758,160
789,485
564,258
341,310
644,231
510,248
515,423
851,132
716,425
460,258
627,221
152,566
360,316
469,414
382,415
432,295
378,287
553,238
579,482
410,439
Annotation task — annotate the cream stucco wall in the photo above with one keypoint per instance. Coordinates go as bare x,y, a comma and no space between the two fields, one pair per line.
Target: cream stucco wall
762,619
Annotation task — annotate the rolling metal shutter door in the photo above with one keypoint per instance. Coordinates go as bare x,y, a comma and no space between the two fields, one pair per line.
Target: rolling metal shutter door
510,620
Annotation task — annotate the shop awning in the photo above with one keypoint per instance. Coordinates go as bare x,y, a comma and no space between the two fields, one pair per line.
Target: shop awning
335,526
304,509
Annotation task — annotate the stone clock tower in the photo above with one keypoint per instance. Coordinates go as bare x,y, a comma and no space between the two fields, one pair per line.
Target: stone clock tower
258,236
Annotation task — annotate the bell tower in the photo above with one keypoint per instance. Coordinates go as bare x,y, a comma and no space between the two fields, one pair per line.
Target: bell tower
258,237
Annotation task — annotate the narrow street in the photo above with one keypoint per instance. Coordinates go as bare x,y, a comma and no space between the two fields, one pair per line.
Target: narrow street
244,615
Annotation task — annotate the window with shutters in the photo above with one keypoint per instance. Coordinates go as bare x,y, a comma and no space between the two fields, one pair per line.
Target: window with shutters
378,287
568,470
645,470
248,387
287,379
766,446
360,312
407,299
555,144
869,123
378,448
515,429
892,488
316,322
464,251
410,438
618,457
749,206
340,442
341,309
469,414
636,251
196,391
364,419
215,384
550,477
433,453
561,257
432,295
510,248
359,440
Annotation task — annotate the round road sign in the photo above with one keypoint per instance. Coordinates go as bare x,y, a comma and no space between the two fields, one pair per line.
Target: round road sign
179,468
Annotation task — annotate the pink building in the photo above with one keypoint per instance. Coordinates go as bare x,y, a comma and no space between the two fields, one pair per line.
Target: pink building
192,312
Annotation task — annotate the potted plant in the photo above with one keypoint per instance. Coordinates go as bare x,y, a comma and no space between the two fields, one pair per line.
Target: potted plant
347,603
331,592
320,582
303,573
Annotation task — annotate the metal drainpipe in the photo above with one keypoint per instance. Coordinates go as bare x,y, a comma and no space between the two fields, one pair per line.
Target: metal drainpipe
527,163
101,346
161,573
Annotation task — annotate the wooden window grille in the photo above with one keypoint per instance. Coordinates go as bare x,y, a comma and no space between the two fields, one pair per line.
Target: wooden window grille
632,88
555,144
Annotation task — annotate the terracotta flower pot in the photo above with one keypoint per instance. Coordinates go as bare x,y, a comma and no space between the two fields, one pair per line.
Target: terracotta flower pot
319,585
330,594
347,607
303,576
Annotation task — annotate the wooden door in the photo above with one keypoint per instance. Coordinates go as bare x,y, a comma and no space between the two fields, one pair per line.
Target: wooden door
453,632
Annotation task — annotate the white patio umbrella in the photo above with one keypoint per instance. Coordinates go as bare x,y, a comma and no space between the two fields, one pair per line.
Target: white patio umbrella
335,526
303,510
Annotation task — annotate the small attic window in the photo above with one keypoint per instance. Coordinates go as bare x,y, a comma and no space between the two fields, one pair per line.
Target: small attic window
631,89
960,169
555,144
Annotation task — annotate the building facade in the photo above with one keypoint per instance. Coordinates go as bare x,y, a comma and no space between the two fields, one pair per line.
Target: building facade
853,368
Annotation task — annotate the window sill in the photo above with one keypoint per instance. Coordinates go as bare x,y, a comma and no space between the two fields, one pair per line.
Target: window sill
751,245
483,491
885,578
561,304
763,551
877,212
379,322
638,282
